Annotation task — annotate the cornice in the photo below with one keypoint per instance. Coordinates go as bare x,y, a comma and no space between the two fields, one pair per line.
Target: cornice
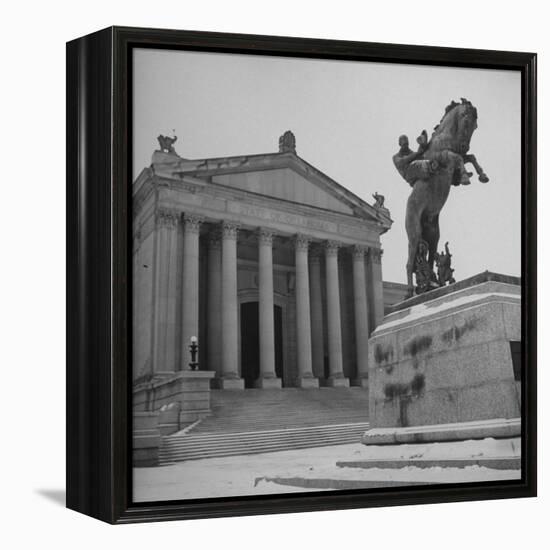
226,192
208,167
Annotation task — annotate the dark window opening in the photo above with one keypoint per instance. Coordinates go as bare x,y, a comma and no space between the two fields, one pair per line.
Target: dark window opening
515,349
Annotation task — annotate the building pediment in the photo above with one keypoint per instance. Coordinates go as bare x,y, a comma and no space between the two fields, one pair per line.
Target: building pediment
284,176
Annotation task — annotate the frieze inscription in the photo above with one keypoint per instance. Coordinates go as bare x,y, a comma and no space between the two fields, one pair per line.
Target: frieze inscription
280,217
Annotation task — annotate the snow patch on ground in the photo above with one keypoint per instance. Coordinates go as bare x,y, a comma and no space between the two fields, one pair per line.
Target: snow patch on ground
245,475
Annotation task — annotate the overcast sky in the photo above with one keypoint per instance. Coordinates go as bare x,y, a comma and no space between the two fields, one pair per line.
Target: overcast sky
347,117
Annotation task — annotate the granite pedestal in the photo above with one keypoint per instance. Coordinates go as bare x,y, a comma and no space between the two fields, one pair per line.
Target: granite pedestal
445,358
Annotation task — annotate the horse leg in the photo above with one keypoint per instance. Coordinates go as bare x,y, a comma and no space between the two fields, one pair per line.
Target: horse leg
413,245
431,236
455,163
473,161
414,233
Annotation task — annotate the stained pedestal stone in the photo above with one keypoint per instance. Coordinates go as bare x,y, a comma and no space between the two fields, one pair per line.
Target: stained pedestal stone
447,360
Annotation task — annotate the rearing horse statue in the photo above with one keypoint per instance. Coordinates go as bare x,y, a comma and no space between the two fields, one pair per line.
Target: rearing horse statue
431,171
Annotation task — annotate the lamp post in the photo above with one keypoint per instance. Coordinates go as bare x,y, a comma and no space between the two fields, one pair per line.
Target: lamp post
193,349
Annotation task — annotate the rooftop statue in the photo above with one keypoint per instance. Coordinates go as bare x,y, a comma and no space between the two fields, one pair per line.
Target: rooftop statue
167,143
379,200
287,143
430,171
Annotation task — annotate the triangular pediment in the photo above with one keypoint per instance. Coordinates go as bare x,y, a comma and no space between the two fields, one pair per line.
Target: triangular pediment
283,176
285,184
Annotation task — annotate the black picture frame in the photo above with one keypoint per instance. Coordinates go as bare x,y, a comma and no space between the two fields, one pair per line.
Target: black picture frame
99,130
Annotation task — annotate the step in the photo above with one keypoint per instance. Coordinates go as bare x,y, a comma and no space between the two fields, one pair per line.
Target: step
193,447
178,457
318,442
288,431
314,441
287,434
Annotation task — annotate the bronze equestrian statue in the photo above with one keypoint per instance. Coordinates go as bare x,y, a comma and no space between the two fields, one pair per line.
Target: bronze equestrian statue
431,170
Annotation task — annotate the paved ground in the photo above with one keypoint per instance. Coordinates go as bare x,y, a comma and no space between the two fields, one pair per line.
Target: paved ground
272,472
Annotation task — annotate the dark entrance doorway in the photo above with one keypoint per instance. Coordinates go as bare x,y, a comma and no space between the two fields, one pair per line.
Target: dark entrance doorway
250,342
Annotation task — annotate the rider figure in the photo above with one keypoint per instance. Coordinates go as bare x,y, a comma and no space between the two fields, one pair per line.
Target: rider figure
413,166
409,163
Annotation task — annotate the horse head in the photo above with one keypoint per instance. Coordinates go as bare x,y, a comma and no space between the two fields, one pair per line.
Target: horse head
455,130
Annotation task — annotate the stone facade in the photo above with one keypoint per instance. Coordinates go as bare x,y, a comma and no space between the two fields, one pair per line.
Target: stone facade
275,268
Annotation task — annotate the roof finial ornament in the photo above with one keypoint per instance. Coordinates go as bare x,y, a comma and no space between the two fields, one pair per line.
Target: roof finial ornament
287,143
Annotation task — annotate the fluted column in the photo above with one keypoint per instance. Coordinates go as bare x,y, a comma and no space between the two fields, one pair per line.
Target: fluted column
164,326
336,368
303,315
213,323
361,315
316,308
267,378
190,286
230,346
376,285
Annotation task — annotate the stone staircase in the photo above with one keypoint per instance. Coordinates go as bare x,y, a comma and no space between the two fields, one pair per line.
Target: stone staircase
260,421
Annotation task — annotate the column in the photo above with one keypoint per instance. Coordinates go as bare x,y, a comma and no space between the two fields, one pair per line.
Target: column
190,286
316,307
164,276
230,379
303,315
376,285
336,368
213,321
267,378
361,315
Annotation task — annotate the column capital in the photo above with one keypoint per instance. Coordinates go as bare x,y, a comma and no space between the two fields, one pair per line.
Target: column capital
375,254
192,223
214,238
265,236
166,217
301,241
315,254
229,229
331,248
359,251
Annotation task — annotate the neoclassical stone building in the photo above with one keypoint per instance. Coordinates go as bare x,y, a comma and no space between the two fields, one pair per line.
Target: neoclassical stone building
274,266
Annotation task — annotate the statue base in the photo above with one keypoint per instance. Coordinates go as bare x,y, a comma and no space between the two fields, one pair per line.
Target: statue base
446,357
